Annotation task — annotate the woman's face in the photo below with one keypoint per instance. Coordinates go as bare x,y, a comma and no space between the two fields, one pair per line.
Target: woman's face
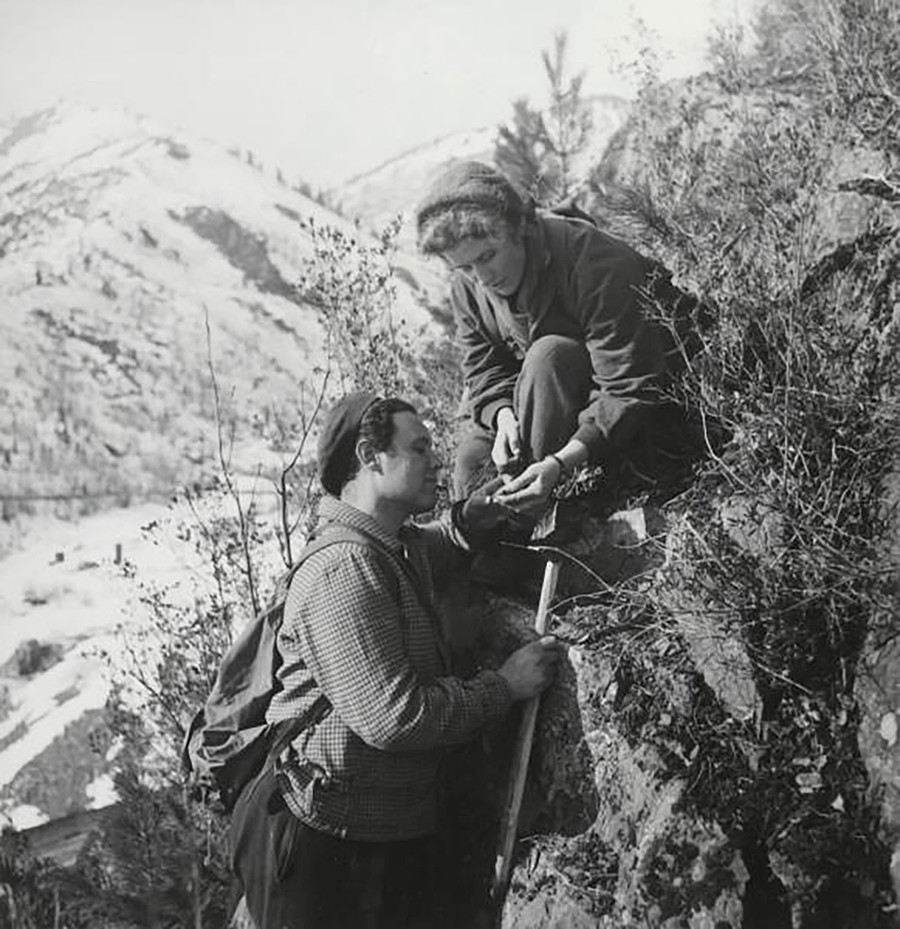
498,261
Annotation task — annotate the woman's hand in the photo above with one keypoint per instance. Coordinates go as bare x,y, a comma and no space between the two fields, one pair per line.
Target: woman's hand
529,492
507,445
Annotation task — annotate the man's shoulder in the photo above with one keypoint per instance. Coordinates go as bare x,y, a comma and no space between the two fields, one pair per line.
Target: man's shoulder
347,554
338,575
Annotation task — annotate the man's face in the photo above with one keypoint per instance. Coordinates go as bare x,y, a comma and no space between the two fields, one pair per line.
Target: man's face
409,468
498,261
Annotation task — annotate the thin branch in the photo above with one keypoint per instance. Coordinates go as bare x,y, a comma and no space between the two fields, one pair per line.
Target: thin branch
233,492
286,528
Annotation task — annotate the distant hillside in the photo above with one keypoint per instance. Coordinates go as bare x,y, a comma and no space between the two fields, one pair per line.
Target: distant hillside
119,241
378,196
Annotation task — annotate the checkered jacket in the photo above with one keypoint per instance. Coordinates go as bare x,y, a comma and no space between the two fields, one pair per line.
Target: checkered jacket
360,627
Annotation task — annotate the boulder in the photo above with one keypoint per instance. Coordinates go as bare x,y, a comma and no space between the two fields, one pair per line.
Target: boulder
708,623
643,859
610,549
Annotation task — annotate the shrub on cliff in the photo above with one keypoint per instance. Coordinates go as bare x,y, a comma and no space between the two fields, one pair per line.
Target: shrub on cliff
728,179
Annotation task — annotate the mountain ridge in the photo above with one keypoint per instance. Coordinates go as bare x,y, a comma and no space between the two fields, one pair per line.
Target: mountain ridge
131,260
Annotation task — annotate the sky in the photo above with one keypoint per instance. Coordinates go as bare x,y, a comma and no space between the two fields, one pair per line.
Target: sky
327,89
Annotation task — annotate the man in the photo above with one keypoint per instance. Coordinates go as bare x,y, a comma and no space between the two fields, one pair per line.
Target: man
561,368
341,834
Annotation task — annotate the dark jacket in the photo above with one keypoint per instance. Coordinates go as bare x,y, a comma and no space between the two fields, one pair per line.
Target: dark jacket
581,283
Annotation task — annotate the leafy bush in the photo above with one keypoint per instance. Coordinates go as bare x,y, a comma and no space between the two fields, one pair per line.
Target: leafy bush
727,180
351,285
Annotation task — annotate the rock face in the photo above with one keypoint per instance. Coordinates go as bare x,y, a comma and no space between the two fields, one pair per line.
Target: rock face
611,838
745,746
651,755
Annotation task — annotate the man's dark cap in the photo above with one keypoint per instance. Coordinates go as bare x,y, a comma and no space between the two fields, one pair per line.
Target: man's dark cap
338,438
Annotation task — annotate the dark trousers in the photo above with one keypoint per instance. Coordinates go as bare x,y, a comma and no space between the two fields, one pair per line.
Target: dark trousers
551,390
295,877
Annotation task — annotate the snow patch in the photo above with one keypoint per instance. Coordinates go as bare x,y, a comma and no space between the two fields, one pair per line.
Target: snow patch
101,792
39,716
23,816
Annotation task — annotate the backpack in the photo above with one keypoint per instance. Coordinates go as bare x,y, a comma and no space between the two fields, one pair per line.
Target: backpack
229,741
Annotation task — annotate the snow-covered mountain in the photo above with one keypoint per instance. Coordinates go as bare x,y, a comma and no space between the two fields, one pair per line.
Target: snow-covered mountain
392,189
61,598
120,244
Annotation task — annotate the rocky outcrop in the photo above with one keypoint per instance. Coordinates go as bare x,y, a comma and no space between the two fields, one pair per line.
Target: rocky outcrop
658,754
610,831
753,562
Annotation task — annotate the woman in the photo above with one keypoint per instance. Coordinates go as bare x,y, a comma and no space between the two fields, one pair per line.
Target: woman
561,368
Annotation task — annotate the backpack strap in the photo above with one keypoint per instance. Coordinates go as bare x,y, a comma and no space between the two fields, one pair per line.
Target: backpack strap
342,532
332,533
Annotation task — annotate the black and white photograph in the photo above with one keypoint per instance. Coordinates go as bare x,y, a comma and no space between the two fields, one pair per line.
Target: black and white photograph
449,464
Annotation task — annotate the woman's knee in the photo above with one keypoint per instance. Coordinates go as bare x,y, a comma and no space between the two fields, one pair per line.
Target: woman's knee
556,353
554,366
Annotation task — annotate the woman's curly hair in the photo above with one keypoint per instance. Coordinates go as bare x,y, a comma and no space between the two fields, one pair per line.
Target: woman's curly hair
469,200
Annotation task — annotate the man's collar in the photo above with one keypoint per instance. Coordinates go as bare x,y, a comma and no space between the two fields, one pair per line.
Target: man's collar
331,509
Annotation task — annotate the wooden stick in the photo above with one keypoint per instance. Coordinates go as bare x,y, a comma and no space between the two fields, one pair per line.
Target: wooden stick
519,770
